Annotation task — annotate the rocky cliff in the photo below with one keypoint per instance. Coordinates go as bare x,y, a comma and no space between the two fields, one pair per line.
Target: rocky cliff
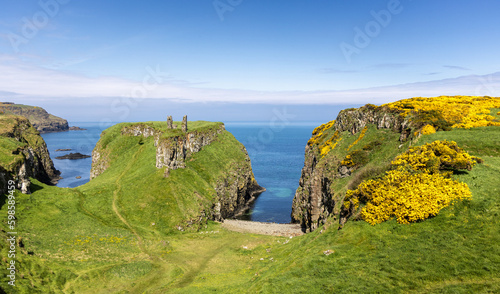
235,187
318,195
353,120
43,121
236,190
24,154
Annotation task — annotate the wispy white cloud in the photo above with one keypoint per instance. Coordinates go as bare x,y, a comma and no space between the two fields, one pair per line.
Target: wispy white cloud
32,81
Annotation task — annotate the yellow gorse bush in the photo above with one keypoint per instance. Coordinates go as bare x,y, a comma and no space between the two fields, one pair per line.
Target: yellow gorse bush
417,189
361,135
330,144
409,197
461,111
427,130
436,156
347,161
319,131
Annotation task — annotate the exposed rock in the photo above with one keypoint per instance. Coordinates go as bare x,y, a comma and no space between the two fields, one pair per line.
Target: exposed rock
172,151
169,122
43,121
73,128
344,171
31,159
185,124
355,119
236,190
73,156
67,149
313,201
100,161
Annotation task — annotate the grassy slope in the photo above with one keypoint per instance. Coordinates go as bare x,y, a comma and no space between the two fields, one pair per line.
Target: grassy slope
455,252
119,230
36,115
8,146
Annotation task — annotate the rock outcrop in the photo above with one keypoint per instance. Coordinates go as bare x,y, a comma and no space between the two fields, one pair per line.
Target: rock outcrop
30,157
73,156
236,190
172,151
169,122
184,125
41,120
314,199
354,120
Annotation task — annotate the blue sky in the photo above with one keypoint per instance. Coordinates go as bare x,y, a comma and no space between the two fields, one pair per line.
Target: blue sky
244,52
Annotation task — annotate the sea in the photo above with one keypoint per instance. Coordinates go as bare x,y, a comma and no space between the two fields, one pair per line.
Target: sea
276,152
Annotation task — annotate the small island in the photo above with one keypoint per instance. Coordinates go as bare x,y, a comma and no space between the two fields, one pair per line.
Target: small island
68,149
73,156
73,128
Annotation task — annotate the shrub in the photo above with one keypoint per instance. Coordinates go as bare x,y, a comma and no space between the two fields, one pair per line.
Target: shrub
428,129
433,117
359,138
416,189
318,132
330,144
449,111
372,145
355,158
408,196
437,156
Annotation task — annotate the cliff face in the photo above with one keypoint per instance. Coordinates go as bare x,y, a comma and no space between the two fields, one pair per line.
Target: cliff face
26,155
316,198
354,120
41,120
313,201
234,189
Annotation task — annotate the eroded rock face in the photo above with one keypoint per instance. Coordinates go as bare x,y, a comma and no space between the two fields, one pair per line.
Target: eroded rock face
34,159
314,201
236,190
354,120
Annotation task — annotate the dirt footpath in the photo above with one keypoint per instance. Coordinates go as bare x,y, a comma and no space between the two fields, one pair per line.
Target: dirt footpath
274,229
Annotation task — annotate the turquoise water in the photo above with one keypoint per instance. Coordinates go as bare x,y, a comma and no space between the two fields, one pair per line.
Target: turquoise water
276,151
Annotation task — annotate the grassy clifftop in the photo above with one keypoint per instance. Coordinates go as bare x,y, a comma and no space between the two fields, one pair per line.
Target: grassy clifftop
42,120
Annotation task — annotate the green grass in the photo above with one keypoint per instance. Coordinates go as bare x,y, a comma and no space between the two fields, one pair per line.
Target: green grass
36,115
70,235
9,146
